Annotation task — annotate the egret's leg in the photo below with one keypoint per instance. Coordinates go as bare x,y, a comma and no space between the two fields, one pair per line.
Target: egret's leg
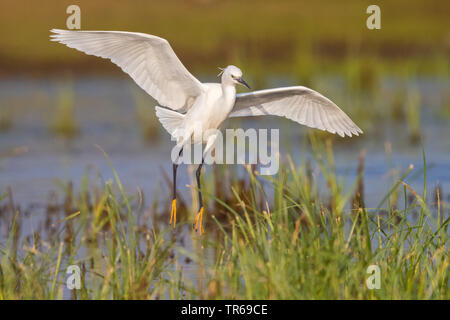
173,211
199,216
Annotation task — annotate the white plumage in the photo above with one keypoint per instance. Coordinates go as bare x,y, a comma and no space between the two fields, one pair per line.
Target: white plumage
148,59
299,104
154,66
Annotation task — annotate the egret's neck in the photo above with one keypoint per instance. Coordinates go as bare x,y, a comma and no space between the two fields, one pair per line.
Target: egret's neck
229,93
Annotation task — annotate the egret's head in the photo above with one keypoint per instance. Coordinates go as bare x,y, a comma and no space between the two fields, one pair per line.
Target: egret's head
233,74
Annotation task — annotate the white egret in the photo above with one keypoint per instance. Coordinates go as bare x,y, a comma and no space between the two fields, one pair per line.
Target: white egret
154,66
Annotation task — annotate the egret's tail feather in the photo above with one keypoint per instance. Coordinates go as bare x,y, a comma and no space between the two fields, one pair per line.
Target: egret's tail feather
170,120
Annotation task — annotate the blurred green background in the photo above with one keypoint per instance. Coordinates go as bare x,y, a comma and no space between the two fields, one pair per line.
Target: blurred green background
280,36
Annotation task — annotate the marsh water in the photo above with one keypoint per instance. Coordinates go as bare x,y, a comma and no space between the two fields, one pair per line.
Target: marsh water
34,157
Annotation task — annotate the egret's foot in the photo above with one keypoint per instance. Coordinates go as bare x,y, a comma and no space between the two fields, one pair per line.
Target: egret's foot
199,222
173,213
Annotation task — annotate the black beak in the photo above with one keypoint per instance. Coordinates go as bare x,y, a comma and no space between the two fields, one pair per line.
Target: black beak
241,81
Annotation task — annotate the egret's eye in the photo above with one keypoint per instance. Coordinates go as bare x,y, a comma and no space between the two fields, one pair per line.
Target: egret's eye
233,77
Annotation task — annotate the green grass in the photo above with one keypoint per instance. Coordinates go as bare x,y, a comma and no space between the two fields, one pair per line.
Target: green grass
64,123
413,115
306,243
148,123
6,119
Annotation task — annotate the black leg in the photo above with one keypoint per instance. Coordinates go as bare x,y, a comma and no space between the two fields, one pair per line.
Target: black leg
173,212
198,225
175,167
197,174
174,186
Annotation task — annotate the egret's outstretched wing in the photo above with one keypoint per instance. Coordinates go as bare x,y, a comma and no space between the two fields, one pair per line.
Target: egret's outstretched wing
148,59
299,104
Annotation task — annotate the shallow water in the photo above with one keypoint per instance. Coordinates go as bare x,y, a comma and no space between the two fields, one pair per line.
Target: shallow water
106,113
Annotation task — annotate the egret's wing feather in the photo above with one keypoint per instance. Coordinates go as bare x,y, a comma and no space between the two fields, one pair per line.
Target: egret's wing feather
148,59
299,104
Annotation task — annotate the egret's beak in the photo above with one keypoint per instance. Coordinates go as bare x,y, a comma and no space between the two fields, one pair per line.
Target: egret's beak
241,81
